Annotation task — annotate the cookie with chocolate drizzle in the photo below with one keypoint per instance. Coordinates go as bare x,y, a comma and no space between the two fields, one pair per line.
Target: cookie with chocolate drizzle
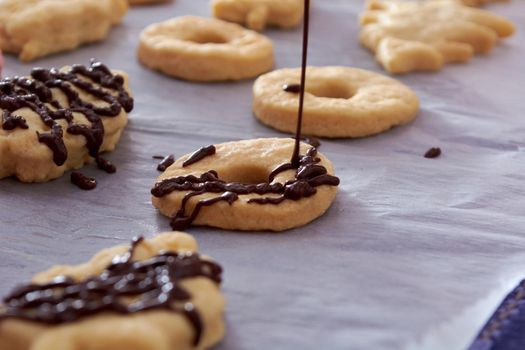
248,185
55,120
157,294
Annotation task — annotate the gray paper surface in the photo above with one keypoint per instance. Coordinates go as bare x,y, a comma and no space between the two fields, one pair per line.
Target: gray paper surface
414,253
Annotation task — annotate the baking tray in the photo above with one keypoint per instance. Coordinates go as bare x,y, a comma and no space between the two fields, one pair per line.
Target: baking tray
414,253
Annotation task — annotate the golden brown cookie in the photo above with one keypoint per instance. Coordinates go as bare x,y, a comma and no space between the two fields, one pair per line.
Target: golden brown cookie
160,294
58,120
37,28
247,185
257,14
339,101
204,49
418,36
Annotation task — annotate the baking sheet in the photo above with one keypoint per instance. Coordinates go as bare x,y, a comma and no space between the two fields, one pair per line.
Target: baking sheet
414,253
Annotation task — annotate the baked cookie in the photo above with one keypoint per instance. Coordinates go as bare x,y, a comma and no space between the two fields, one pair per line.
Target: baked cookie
423,36
60,119
257,14
158,294
339,101
37,28
247,185
203,49
1,63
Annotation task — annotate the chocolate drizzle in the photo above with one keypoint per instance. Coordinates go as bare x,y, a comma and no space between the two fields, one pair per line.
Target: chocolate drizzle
293,88
11,122
199,155
309,175
150,285
55,141
83,182
166,162
306,27
312,141
36,94
106,165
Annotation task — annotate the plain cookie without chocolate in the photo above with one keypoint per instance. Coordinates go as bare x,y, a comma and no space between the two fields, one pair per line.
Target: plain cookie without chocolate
205,49
37,28
257,14
339,101
423,36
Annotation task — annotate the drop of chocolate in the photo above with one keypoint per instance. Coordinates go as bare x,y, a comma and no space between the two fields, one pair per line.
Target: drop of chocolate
166,162
83,182
434,152
293,88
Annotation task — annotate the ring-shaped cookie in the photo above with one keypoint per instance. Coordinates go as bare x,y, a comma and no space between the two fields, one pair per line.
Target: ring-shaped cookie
339,102
203,49
235,165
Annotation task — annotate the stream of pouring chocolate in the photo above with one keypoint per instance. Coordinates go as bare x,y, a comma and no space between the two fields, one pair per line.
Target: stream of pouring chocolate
308,176
306,31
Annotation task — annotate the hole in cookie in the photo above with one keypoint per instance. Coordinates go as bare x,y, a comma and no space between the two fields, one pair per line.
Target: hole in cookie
330,89
245,174
206,38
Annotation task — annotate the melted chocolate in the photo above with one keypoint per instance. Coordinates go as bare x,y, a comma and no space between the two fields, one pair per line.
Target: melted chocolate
306,26
166,162
83,182
36,94
106,165
199,155
312,141
11,122
308,176
434,152
293,88
150,285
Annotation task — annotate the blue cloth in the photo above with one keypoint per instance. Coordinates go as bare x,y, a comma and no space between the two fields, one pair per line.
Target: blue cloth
505,330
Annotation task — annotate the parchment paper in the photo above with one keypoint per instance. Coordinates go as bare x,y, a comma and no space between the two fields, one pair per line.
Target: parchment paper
414,254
